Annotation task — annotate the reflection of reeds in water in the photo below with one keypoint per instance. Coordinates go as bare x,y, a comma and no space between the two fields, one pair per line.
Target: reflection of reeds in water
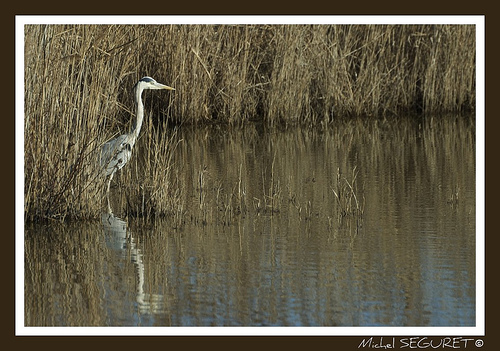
269,202
78,80
184,175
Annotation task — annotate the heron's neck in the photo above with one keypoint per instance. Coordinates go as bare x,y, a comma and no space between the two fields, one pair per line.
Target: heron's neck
139,112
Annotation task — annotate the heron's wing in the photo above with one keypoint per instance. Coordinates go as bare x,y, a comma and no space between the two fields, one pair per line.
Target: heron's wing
116,153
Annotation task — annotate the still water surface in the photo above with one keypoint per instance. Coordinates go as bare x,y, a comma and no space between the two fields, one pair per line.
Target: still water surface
272,249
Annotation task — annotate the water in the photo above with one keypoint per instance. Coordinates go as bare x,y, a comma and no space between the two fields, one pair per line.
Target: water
261,241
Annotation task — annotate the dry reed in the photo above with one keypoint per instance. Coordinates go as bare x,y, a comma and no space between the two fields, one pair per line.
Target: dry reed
78,79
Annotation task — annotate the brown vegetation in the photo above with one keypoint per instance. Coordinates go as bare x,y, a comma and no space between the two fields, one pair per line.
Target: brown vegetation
78,80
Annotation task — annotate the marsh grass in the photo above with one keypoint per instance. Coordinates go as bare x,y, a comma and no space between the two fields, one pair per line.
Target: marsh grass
347,200
78,81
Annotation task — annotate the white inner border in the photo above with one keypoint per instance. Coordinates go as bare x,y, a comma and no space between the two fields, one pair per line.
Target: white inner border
478,330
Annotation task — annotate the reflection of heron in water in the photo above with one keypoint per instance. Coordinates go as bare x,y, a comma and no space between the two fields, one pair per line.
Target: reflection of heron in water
117,152
120,240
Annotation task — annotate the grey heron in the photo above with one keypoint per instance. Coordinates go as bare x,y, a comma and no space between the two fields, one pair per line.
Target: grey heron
117,152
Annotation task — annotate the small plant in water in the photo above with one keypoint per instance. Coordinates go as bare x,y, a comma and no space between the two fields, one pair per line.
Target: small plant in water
453,198
348,202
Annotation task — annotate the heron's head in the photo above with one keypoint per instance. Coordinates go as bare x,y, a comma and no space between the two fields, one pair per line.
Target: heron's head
150,83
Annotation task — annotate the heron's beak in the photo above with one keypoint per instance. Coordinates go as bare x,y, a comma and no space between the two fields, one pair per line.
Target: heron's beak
161,86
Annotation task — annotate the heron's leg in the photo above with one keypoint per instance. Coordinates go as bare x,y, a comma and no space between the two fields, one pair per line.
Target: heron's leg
110,211
107,194
109,206
109,182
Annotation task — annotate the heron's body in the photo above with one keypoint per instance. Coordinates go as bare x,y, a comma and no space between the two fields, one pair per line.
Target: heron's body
117,152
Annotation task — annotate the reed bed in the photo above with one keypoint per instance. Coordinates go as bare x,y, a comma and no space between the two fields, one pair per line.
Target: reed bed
78,80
